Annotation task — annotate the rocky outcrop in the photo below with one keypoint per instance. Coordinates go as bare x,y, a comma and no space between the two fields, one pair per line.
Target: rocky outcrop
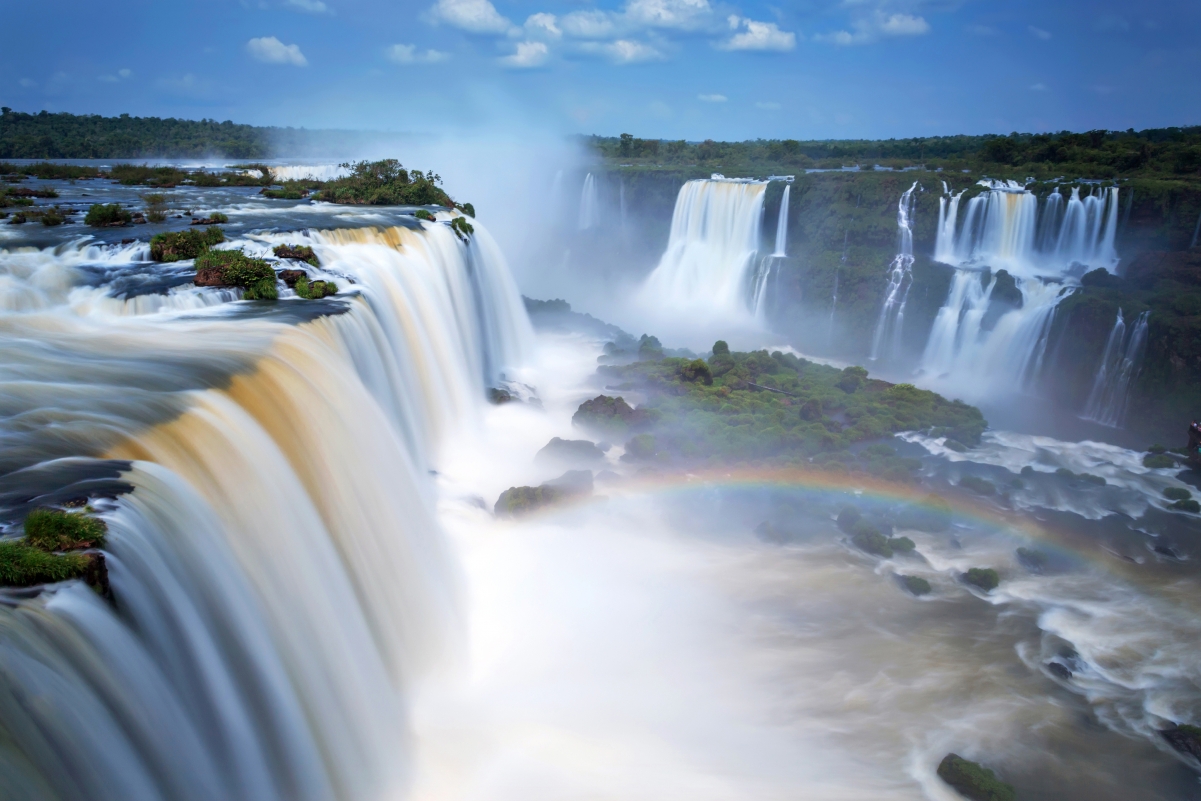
518,501
570,453
607,414
972,780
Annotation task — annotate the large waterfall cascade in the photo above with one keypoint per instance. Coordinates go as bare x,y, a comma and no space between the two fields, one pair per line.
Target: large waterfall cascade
1119,365
887,335
278,569
711,262
769,265
1044,245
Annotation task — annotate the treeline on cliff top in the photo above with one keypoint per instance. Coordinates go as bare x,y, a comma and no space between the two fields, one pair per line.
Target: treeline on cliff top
1093,154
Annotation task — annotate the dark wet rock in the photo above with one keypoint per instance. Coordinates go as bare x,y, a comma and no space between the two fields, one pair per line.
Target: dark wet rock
497,395
984,578
517,501
1033,560
290,277
1185,739
297,252
1059,670
977,485
569,452
211,276
1166,551
972,780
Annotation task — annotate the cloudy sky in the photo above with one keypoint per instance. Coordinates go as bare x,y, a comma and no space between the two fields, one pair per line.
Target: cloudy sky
657,68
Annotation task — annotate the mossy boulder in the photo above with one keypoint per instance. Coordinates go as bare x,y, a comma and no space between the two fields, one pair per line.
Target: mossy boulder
915,585
1033,560
47,552
518,501
696,370
296,252
461,228
569,452
607,414
1187,506
1177,494
314,290
181,245
1158,461
641,447
973,781
983,577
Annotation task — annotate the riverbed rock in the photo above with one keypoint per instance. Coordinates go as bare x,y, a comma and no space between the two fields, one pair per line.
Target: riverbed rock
1185,739
518,501
609,414
972,780
290,277
569,453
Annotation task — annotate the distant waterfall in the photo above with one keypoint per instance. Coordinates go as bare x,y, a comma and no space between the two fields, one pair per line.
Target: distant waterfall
1119,366
712,253
589,204
1003,228
900,279
782,225
964,358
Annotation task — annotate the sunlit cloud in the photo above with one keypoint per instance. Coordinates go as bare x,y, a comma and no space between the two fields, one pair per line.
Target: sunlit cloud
409,54
270,50
528,55
544,26
754,35
768,106
473,16
712,98
875,26
308,6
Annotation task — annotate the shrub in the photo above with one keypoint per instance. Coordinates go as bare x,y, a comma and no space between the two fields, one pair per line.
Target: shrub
720,346
983,577
1177,494
848,516
235,268
1187,506
868,538
852,378
315,290
261,290
56,530
385,183
462,228
467,209
697,370
972,780
22,565
916,585
182,245
1032,559
51,217
156,207
101,216
641,446
423,214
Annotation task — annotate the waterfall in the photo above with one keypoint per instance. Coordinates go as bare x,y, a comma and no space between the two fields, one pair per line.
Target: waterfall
782,225
279,575
711,262
1118,368
965,359
589,205
900,279
1003,228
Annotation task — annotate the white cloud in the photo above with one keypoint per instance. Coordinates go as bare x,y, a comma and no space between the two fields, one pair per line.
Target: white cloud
529,54
712,98
872,27
473,16
1039,33
588,24
757,36
686,14
982,30
308,6
627,51
125,73
543,25
768,106
270,50
1038,87
27,83
409,54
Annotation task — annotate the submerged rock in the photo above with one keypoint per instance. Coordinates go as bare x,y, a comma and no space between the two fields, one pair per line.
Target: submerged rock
1185,739
1059,670
569,452
973,780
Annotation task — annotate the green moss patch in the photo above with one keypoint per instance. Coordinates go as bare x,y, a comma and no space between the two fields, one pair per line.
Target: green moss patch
296,252
182,245
101,215
38,558
973,780
983,577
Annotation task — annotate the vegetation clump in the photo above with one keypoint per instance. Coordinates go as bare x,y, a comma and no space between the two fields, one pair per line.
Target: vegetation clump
235,268
1158,461
1033,560
973,780
385,183
978,485
916,585
462,229
423,214
1177,494
216,218
45,554
771,407
1187,506
296,252
111,215
517,501
156,207
314,290
983,577
181,245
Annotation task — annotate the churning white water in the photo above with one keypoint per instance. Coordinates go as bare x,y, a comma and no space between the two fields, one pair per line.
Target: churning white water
589,204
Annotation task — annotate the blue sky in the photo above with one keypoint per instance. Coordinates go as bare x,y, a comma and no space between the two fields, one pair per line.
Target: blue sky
690,69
